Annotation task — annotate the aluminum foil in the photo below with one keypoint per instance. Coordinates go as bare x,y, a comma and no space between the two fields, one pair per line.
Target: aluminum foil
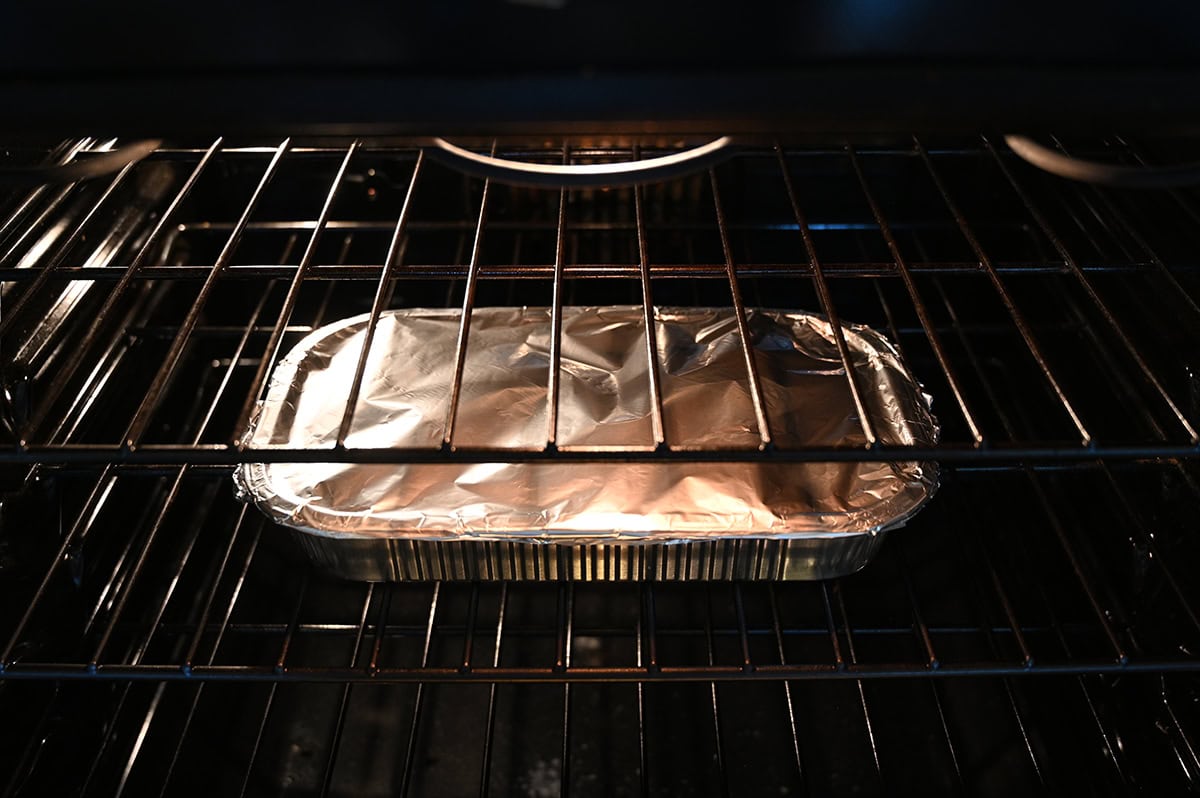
604,403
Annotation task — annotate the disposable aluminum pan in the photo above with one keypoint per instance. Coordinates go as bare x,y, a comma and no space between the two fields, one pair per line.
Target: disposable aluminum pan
581,520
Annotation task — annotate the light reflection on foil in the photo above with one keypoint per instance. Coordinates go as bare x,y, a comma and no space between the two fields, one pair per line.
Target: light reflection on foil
604,403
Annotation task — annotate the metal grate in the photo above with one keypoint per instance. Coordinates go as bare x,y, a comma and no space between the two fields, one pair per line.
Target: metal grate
962,254
119,522
1059,587
984,738
1022,572
142,640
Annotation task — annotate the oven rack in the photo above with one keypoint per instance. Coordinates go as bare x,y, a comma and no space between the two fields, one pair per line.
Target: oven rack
1010,572
1034,628
986,737
957,250
1064,610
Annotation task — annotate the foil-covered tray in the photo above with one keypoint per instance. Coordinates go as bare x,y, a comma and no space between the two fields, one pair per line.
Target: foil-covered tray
581,520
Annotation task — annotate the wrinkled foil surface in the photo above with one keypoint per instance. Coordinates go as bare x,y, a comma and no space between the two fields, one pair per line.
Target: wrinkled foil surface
604,403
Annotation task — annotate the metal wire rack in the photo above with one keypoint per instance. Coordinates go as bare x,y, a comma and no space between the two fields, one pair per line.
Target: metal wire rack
143,638
932,234
1077,609
149,603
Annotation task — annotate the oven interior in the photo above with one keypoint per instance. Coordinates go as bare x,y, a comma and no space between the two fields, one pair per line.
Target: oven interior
1033,629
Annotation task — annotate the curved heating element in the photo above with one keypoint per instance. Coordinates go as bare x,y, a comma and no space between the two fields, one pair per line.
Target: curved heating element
592,175
1062,165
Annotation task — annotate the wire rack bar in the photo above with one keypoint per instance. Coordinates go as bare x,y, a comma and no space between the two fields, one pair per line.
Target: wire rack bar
1179,441
271,350
490,724
1006,297
190,657
36,224
173,492
719,746
258,738
647,637
553,385
68,369
1116,327
1046,504
827,306
464,322
339,724
592,674
739,307
410,749
43,274
224,455
862,693
1115,214
74,537
935,342
360,272
648,323
62,155
164,375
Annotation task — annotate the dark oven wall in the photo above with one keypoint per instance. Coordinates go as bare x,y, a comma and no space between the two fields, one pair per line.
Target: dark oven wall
544,66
